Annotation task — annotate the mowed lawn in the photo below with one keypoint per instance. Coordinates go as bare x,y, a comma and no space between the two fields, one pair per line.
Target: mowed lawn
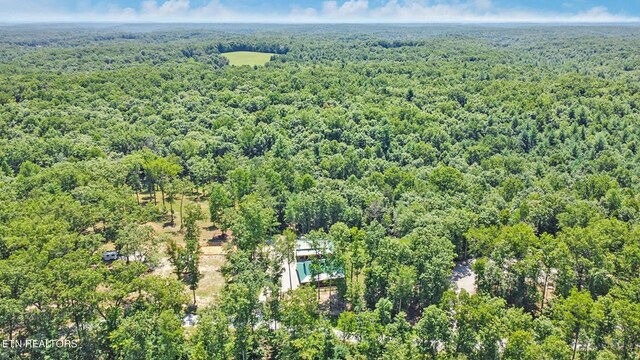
239,58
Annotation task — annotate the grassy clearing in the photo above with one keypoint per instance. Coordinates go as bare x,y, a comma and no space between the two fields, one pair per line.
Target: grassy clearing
251,58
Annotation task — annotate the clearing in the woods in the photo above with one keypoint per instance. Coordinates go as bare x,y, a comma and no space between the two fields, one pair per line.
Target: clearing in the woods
251,58
212,257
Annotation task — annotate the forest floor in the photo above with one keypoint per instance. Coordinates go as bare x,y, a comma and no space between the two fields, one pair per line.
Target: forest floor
464,277
212,241
212,259
211,244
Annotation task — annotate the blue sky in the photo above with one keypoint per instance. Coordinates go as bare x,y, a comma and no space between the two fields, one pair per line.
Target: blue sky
321,11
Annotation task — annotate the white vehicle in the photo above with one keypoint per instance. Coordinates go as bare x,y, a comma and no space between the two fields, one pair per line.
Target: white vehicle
108,256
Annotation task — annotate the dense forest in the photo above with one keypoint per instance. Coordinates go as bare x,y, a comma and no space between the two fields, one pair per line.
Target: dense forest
410,151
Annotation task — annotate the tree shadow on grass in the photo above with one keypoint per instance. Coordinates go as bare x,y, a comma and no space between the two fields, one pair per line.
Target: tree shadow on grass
218,240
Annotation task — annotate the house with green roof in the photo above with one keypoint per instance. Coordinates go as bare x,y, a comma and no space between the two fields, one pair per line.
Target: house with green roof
309,256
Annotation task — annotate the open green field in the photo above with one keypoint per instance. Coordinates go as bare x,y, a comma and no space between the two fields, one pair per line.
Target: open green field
239,58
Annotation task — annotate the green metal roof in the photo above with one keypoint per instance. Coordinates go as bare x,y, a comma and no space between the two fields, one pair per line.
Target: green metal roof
303,268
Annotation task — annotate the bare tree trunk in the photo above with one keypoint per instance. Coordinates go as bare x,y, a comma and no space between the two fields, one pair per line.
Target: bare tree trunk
289,271
329,295
78,328
181,201
544,289
575,344
351,275
137,197
466,249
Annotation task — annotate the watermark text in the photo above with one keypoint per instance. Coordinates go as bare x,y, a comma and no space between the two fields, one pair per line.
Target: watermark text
38,343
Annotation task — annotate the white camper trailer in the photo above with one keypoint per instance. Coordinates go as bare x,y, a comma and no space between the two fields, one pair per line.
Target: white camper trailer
109,256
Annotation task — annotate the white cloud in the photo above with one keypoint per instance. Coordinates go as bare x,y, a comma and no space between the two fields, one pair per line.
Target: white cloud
391,11
298,12
483,4
168,8
475,11
349,9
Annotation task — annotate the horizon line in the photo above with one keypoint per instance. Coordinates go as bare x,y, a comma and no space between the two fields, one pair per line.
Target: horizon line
488,22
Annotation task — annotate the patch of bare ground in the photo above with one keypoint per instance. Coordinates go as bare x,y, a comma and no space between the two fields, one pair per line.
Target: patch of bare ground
330,302
463,277
212,258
